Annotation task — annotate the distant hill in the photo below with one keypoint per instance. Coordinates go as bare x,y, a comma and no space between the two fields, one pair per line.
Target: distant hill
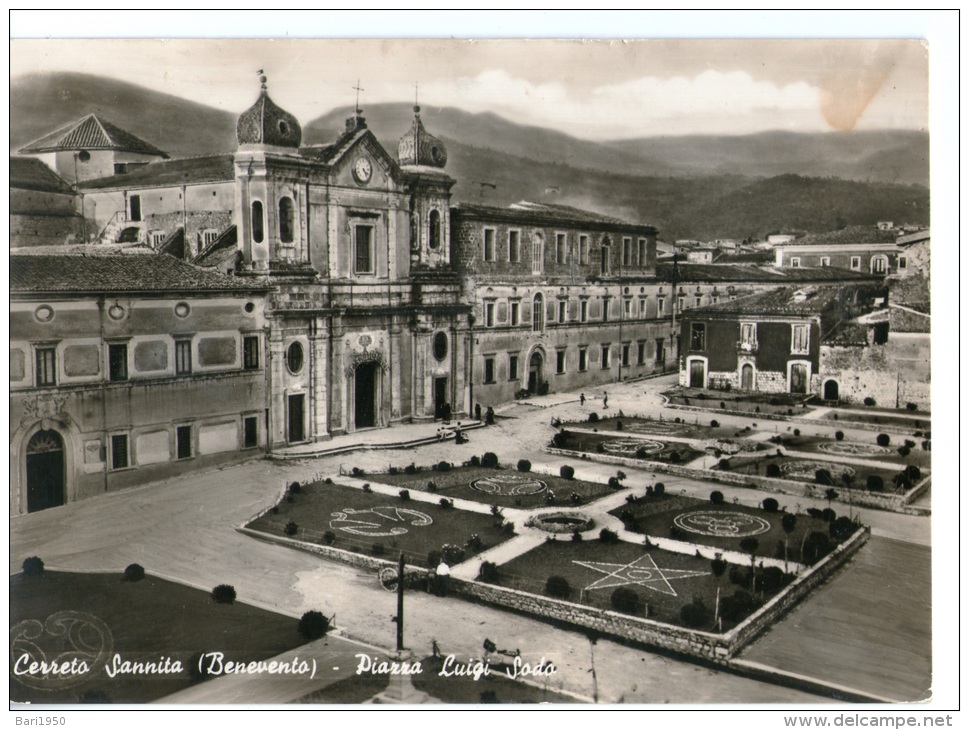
688,187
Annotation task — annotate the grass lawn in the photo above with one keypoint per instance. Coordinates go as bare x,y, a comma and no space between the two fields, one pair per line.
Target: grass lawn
501,487
143,621
859,449
692,427
803,470
657,516
667,452
917,423
662,580
378,524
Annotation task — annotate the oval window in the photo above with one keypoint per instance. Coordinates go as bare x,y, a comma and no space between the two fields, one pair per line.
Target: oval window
283,128
294,358
440,345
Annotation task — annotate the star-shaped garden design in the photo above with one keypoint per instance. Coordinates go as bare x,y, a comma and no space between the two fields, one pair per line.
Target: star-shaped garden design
642,571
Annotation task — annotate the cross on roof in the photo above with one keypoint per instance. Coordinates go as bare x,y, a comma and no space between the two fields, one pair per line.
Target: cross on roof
359,89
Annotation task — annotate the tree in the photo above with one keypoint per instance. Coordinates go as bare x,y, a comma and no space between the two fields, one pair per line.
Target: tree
788,522
830,494
750,545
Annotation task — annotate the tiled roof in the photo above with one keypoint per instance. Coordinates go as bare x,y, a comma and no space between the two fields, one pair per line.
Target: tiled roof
773,274
29,173
182,171
852,234
112,274
91,133
215,253
542,214
776,301
848,333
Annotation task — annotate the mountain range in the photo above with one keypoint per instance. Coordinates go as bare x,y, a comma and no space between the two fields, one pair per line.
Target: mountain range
688,187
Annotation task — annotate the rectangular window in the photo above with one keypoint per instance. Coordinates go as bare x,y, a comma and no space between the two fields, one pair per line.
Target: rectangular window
514,246
563,311
698,336
538,255
363,250
46,366
627,307
489,314
698,300
561,252
800,335
513,367
748,334
627,252
604,260
902,262
660,306
489,370
489,244
625,354
680,303
583,249
250,432
642,308
660,351
515,314
642,252
856,263
119,451
606,351
118,362
584,310
796,262
183,442
641,353
605,309
560,361
250,352
583,359
183,357
824,261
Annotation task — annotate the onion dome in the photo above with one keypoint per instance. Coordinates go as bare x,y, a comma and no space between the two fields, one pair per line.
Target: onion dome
417,147
266,123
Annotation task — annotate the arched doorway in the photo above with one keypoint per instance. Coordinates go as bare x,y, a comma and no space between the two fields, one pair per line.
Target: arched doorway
365,395
747,377
45,470
536,364
831,390
697,368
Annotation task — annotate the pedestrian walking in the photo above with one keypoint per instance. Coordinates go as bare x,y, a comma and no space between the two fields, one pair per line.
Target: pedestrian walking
443,578
581,399
605,400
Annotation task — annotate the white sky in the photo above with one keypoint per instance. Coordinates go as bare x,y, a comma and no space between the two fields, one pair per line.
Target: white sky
593,89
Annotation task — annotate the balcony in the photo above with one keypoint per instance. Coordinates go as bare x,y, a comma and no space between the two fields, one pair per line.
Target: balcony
747,348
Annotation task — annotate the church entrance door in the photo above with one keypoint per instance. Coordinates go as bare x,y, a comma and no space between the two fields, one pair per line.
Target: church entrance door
747,377
365,394
440,396
535,366
45,470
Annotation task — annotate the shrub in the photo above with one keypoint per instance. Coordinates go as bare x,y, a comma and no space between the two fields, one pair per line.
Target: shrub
329,537
404,494
560,440
738,606
593,417
815,512
444,466
750,545
739,575
431,486
642,453
788,522
904,450
608,536
291,528
600,449
313,625
367,488
357,471
453,554
626,516
773,471
869,401
716,496
134,573
566,472
488,572
722,405
224,593
718,566
714,423
797,432
508,528
770,505
772,578
33,566
410,469
823,476
576,537
474,543
558,587
575,498
625,600
619,425
816,547
675,457
524,465
724,464
378,549
841,528
446,503
696,614
659,489
614,483
476,460
328,480
883,439
875,483
911,407
828,514
913,472
393,471
839,435
489,460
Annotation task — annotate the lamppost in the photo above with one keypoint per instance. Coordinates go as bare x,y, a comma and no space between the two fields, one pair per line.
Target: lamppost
471,320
